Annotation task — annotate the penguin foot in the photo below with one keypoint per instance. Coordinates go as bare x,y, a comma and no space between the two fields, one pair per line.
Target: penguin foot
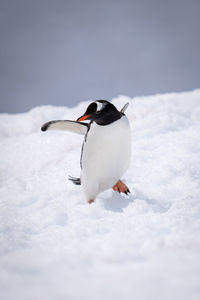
120,187
91,201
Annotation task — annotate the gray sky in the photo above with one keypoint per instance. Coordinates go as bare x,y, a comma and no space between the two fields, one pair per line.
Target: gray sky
62,52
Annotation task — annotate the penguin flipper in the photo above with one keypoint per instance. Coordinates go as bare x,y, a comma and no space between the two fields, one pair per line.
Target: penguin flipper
68,125
124,108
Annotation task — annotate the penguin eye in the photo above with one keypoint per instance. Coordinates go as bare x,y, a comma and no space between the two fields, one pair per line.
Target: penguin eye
98,112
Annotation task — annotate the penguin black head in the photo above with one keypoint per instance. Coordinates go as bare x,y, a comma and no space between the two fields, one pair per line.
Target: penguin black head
102,112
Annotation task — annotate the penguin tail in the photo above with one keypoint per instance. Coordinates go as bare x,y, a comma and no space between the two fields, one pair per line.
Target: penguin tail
76,181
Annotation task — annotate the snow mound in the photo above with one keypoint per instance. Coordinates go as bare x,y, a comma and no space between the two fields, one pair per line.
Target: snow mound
146,246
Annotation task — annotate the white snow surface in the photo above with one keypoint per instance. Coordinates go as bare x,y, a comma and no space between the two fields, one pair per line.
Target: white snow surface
54,246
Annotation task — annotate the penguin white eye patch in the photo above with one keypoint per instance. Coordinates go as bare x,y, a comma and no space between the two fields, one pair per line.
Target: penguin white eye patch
99,106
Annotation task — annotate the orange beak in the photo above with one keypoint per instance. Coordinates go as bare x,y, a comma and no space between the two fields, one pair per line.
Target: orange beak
83,118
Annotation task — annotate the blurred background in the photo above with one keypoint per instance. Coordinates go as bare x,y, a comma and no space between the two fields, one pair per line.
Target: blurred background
63,52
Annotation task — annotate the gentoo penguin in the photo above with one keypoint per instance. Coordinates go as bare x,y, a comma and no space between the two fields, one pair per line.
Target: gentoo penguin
106,148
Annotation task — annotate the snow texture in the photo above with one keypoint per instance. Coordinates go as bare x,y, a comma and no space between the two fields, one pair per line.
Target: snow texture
147,246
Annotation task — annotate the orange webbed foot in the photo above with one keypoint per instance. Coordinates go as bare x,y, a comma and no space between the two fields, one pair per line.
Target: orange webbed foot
121,187
91,201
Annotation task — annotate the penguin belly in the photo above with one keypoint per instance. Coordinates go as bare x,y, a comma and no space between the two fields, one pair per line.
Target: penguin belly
106,156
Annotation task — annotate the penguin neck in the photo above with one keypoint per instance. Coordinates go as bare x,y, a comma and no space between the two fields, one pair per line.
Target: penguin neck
108,119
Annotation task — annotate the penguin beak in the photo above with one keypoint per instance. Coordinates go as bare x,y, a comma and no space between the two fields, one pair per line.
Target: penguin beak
83,118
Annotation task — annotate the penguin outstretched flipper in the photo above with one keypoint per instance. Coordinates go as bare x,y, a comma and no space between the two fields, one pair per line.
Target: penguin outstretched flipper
68,125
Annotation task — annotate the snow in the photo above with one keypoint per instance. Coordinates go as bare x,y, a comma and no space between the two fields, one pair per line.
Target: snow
146,246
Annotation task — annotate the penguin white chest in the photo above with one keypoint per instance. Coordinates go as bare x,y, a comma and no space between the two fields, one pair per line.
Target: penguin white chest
106,156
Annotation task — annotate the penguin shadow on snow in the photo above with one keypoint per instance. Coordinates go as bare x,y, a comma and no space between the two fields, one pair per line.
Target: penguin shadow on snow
154,204
116,202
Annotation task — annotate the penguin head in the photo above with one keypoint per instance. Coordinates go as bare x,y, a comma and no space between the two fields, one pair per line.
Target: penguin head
102,112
